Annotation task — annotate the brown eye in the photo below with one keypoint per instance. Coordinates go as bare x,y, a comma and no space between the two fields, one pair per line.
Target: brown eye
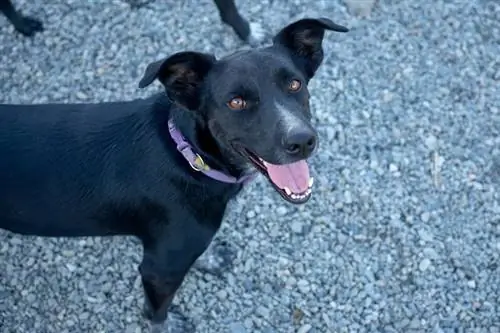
294,85
237,104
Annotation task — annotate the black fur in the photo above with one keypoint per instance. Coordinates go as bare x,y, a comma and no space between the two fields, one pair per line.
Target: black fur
26,25
29,26
105,169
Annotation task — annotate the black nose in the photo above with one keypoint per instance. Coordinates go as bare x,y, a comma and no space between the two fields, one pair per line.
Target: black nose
300,142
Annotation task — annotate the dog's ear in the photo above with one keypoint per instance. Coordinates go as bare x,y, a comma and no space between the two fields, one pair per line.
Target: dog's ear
303,39
182,75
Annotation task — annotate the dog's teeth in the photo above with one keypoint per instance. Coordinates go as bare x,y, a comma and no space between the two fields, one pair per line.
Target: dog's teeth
287,191
311,181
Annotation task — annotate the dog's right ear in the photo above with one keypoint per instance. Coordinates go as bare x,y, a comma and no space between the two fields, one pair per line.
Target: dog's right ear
182,75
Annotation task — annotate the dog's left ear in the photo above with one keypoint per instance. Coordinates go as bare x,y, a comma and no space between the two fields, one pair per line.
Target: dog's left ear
182,75
303,39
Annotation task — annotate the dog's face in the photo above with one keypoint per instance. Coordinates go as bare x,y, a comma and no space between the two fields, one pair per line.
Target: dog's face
256,102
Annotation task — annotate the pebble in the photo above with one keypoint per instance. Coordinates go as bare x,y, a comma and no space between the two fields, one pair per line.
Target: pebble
263,312
431,142
424,234
81,95
251,214
281,210
303,286
425,217
304,328
237,328
424,264
297,227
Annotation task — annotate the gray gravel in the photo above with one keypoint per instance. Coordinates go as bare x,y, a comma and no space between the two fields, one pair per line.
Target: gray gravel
403,231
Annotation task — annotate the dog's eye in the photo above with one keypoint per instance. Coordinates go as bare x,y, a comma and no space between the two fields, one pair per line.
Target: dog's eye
294,85
237,104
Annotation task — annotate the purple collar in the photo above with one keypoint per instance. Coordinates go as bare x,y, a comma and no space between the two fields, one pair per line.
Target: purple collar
197,163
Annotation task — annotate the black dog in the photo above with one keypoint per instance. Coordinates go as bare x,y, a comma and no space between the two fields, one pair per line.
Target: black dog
28,26
163,168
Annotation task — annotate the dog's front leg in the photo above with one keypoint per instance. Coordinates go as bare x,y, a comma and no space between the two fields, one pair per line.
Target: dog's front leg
168,256
158,306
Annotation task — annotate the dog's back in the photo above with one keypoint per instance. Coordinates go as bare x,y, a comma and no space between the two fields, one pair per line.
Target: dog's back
54,156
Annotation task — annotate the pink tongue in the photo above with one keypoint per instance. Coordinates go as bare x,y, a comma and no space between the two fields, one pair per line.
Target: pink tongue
295,176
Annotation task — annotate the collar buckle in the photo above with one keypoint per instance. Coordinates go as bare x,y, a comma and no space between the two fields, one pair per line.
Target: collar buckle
199,164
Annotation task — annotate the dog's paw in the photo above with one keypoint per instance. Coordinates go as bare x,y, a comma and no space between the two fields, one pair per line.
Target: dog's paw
175,323
28,26
257,34
218,258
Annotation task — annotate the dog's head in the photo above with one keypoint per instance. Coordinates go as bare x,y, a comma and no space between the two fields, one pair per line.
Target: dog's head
256,102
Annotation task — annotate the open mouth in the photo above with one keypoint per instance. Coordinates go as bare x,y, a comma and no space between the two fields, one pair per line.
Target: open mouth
292,180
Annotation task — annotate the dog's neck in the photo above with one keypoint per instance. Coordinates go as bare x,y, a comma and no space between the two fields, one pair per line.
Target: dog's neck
196,132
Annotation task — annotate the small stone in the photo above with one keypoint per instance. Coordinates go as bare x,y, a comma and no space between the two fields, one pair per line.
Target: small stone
393,167
387,95
274,232
330,133
303,286
31,298
248,323
133,328
296,227
425,235
425,217
415,324
347,197
304,328
360,7
250,214
248,285
70,267
424,264
81,95
281,210
430,253
471,284
431,142
263,312
237,328
222,294
476,305
403,323
68,253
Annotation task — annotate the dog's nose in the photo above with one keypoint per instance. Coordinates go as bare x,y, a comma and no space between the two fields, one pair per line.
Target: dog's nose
300,142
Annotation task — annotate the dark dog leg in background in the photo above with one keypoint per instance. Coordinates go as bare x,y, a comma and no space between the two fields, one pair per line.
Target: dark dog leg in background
26,25
136,4
229,15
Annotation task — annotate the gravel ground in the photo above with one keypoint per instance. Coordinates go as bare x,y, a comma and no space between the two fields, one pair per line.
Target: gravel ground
403,231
